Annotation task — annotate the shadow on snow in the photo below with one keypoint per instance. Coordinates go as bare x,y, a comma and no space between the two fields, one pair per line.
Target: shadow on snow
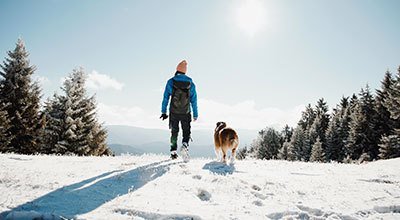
83,197
219,168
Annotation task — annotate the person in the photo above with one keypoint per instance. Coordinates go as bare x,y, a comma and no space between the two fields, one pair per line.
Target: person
183,94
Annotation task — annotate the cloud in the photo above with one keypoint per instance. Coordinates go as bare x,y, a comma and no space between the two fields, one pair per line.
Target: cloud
132,116
102,81
243,115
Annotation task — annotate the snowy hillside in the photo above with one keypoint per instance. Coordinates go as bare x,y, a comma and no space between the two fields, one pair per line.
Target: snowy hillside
154,187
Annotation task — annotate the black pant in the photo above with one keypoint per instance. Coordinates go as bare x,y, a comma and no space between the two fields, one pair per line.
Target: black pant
174,120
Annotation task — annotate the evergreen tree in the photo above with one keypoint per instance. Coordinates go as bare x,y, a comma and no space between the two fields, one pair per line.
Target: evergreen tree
393,101
306,122
338,132
320,123
384,124
53,113
283,153
21,100
334,143
81,134
241,153
267,144
390,147
362,137
317,153
299,147
4,127
97,141
287,134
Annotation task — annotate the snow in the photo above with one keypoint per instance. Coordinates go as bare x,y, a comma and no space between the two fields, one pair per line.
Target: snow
154,187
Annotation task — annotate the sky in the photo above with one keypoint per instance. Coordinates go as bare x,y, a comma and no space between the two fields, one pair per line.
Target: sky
255,63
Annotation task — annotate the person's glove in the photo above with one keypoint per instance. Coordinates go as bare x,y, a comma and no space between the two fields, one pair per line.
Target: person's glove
163,116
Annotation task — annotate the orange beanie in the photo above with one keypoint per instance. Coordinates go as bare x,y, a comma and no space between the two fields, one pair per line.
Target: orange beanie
182,66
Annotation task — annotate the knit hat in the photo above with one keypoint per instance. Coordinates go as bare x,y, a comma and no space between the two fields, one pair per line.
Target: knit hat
182,66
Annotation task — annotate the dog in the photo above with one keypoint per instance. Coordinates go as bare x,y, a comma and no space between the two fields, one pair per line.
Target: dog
225,139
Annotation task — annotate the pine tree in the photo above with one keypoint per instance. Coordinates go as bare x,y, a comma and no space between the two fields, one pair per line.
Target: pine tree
81,134
53,113
320,123
334,143
393,101
287,133
241,153
97,143
299,147
390,147
267,144
21,98
317,153
384,124
283,153
362,137
306,122
338,131
4,127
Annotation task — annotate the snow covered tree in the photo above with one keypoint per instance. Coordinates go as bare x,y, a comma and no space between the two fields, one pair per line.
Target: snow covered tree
362,137
384,124
21,100
305,123
241,153
320,124
81,134
390,147
53,113
97,141
287,133
338,131
317,152
393,101
299,148
283,153
4,127
267,144
334,143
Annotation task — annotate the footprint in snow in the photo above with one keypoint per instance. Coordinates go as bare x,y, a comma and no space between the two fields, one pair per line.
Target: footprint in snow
258,203
203,195
197,177
255,187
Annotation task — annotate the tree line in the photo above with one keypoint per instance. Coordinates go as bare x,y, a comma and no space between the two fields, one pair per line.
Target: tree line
363,127
65,124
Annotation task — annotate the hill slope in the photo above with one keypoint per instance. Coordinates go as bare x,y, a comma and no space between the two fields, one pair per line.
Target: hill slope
154,187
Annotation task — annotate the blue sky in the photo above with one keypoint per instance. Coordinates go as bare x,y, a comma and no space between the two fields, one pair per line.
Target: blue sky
255,63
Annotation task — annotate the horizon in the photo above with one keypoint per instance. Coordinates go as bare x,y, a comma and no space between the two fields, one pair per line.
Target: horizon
255,64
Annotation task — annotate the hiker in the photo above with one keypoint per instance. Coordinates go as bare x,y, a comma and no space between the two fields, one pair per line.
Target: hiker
183,95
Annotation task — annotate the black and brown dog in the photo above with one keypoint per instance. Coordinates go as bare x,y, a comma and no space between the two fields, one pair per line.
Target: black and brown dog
225,139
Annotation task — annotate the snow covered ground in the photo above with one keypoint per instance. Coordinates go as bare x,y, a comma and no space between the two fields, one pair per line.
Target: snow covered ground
154,187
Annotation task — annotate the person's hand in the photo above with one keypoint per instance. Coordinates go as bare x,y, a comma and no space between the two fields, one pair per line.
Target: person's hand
163,116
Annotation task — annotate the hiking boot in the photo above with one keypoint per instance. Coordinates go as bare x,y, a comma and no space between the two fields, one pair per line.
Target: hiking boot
185,152
174,155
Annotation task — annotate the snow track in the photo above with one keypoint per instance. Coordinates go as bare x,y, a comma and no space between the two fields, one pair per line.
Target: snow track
154,187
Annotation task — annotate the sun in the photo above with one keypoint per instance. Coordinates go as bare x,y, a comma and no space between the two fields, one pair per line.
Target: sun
250,16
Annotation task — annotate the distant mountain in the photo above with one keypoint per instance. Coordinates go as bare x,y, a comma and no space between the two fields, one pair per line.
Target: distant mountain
122,138
119,149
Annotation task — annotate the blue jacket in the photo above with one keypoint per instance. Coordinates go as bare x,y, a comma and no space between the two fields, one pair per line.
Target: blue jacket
168,93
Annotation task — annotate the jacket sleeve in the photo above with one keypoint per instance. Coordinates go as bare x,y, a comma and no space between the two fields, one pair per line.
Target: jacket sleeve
167,94
193,100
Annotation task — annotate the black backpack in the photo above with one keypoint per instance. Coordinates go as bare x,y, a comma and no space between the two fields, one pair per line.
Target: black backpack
180,101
